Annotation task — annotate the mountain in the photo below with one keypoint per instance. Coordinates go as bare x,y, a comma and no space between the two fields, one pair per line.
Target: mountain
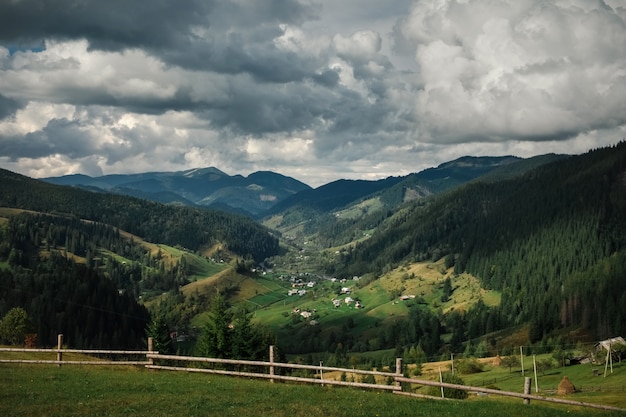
83,263
189,227
342,211
206,187
534,247
551,240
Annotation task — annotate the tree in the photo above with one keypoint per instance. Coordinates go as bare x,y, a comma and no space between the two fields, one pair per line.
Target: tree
447,290
247,340
215,340
544,365
14,326
510,362
159,332
482,350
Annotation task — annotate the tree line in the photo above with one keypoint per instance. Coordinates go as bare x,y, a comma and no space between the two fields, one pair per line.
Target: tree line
61,296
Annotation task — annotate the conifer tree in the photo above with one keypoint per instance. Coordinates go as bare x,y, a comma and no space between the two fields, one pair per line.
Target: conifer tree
215,340
159,332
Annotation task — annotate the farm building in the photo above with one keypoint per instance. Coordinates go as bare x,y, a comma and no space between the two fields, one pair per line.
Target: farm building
608,347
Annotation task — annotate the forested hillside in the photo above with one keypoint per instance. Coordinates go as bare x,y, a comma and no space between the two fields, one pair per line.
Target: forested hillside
551,240
184,226
546,234
345,211
68,262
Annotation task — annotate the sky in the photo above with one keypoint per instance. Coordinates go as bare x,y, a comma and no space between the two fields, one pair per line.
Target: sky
316,90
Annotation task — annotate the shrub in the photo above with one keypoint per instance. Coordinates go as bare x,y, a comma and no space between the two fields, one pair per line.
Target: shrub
449,392
469,366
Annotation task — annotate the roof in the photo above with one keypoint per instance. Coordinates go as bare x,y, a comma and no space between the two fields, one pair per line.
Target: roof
606,344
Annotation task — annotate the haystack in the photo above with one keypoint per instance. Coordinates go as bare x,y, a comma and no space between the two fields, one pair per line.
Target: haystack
497,361
566,387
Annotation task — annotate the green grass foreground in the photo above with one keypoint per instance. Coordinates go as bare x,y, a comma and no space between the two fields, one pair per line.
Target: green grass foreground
42,390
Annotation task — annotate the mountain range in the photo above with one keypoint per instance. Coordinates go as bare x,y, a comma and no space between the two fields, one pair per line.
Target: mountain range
265,193
535,247
206,187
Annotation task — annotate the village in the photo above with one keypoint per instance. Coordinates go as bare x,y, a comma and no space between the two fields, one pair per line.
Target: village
302,284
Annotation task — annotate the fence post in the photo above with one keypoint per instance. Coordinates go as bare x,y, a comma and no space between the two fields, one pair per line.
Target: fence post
150,349
527,389
399,370
272,363
443,395
59,347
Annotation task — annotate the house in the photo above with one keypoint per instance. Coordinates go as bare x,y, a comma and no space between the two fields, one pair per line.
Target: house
306,314
610,346
348,300
336,302
346,290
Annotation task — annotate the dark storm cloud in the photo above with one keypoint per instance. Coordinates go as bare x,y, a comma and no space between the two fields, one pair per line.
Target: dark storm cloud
252,109
221,36
8,106
110,25
60,136
367,88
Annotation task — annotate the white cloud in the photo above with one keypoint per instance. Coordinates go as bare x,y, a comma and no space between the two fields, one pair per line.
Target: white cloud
526,70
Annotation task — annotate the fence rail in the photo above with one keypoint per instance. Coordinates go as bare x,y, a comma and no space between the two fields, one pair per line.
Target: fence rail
267,370
271,375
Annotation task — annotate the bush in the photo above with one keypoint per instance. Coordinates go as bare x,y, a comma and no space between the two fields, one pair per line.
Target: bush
15,326
469,366
449,392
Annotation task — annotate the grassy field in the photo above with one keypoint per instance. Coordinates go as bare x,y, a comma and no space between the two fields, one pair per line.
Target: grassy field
591,387
38,390
267,298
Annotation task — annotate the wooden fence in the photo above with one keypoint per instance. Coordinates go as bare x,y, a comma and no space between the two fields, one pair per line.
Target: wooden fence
60,351
393,381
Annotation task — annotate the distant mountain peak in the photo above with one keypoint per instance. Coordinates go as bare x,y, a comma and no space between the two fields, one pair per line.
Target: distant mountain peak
481,161
200,172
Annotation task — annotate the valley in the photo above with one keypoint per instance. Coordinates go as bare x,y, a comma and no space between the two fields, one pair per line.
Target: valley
479,254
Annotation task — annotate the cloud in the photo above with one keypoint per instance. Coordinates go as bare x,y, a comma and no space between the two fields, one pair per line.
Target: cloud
8,106
222,36
355,89
529,70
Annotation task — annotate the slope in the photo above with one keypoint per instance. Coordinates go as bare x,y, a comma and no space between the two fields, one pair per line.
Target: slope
188,227
533,237
254,194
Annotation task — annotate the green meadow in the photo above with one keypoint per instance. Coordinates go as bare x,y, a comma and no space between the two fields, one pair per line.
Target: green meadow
45,390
